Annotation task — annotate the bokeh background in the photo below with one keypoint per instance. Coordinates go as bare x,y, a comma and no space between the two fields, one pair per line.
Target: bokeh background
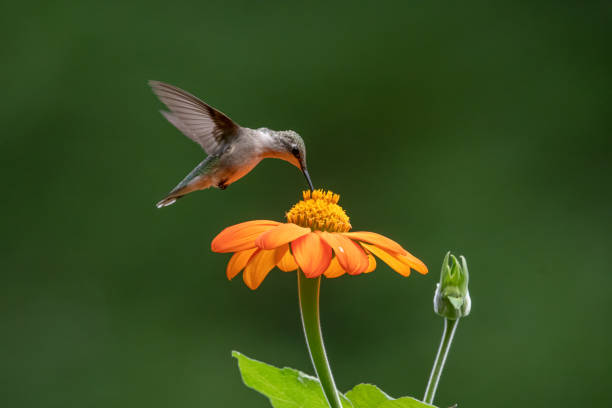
480,127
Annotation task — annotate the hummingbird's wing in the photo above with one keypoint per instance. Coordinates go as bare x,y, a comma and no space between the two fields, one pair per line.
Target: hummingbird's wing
201,123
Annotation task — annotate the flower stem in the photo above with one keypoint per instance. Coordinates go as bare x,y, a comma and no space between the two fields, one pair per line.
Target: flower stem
308,289
436,372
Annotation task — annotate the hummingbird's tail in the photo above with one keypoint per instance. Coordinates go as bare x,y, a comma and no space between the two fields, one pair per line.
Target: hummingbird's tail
184,188
197,179
167,201
179,191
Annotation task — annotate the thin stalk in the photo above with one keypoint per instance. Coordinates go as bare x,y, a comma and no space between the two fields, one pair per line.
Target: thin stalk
308,289
436,372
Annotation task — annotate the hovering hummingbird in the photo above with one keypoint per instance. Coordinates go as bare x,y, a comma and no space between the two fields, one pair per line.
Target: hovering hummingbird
232,150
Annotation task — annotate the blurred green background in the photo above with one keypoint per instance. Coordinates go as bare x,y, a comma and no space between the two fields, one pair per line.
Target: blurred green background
479,127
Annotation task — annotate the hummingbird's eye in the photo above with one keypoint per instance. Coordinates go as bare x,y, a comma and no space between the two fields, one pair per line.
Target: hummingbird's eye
295,151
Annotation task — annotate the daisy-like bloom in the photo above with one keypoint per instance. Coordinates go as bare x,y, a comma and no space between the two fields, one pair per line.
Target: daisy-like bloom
316,238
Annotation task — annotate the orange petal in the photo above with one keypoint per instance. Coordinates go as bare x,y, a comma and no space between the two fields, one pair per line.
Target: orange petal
378,240
312,254
371,264
334,269
284,259
279,235
414,262
260,264
350,255
238,262
240,236
390,259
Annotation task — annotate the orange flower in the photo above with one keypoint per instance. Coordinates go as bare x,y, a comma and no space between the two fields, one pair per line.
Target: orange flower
316,239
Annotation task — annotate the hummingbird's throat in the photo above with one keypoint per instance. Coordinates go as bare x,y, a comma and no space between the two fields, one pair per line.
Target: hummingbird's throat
319,210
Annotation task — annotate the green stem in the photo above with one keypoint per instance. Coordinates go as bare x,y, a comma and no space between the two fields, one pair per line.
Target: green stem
436,372
309,307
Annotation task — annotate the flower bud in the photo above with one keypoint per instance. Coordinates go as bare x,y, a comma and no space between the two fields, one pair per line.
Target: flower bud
452,298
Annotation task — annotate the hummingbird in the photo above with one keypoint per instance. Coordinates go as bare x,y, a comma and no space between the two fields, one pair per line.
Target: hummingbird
233,151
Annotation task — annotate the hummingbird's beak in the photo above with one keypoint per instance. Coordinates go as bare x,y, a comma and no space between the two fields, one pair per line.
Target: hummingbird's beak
305,171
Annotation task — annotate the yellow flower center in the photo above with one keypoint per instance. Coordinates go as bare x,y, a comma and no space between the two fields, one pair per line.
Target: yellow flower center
319,210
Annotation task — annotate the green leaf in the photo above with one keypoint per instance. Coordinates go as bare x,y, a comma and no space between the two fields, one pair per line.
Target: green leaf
289,388
367,396
284,387
404,402
370,396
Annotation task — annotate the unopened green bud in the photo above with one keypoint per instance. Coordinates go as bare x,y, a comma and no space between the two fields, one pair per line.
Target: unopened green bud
452,298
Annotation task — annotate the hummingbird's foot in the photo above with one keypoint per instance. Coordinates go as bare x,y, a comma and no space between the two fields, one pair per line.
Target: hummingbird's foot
222,185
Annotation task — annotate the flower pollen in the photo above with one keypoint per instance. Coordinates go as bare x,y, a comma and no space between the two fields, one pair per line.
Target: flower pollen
319,210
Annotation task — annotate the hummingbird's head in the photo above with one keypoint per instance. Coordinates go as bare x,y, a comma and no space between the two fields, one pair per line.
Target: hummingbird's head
294,151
